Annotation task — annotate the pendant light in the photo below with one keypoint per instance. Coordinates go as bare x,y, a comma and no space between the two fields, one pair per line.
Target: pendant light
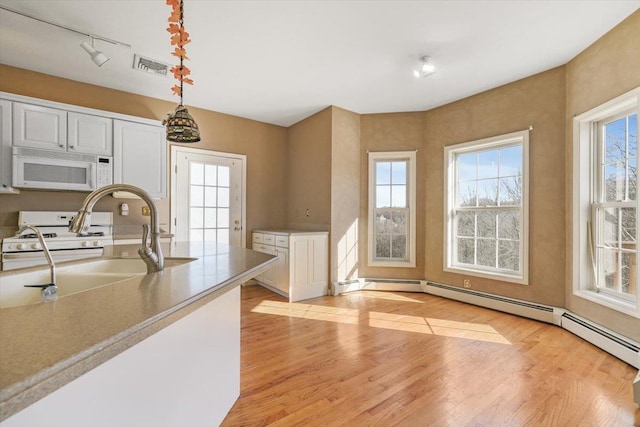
181,127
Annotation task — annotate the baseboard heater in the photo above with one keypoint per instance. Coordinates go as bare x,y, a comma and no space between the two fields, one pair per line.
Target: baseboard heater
544,313
362,284
621,347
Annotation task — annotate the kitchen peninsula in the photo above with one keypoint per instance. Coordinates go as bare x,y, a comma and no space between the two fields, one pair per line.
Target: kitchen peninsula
156,349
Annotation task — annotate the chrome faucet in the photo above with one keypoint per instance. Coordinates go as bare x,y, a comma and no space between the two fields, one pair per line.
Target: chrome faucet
152,254
48,291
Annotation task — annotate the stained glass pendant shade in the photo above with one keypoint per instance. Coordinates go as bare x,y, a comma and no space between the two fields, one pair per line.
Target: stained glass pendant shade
181,127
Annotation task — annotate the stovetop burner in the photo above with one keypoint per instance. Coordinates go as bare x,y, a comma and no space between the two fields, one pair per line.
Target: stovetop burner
34,235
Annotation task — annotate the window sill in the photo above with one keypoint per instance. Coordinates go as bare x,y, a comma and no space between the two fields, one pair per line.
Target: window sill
519,280
609,301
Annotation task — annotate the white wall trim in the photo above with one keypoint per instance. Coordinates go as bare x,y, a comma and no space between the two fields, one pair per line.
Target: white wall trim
583,152
77,108
242,158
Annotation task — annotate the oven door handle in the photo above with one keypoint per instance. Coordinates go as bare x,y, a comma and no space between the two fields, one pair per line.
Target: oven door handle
23,255
54,253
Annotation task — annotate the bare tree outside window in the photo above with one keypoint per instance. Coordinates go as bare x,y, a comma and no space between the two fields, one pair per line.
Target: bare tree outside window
487,213
615,212
392,208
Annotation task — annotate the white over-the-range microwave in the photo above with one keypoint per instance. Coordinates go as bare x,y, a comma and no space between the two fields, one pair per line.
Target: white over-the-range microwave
52,170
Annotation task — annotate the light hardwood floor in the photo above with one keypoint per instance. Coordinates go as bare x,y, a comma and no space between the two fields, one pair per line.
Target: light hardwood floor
410,359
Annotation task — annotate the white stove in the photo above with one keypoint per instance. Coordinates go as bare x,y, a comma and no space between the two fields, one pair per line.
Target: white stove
24,250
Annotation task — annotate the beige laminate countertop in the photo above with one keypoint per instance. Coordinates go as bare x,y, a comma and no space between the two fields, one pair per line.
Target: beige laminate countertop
44,346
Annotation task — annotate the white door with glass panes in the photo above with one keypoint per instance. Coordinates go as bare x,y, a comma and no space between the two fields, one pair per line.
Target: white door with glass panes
208,197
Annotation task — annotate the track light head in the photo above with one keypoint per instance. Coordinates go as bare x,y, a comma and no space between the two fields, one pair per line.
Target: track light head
425,68
97,57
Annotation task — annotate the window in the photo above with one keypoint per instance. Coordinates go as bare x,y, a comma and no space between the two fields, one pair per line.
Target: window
209,203
486,207
392,201
605,243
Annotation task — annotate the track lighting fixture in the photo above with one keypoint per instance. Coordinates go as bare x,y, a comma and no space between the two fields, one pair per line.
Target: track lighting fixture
97,57
425,67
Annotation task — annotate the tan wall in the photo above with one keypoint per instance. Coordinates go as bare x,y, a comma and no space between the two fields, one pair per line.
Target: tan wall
309,172
265,146
392,132
345,194
538,101
606,69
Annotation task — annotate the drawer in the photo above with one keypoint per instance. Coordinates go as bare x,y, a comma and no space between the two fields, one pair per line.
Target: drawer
268,239
258,238
259,247
282,241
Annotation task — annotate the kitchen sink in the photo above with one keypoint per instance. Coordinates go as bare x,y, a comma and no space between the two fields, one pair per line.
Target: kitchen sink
73,277
120,265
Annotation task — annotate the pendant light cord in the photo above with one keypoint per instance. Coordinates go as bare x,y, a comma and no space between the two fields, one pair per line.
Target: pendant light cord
181,22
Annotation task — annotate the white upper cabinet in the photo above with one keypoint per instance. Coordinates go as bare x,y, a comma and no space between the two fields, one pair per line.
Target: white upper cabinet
90,134
49,128
39,127
5,148
140,156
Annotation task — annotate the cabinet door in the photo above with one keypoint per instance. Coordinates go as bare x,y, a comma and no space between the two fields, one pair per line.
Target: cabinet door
39,127
5,148
281,269
309,267
140,156
90,134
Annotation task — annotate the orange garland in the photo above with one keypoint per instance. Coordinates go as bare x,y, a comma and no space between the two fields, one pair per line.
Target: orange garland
179,38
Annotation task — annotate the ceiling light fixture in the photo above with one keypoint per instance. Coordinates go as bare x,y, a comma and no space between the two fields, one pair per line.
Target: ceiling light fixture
181,127
425,68
97,57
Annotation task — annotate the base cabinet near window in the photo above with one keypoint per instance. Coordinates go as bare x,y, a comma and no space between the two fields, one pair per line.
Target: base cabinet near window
303,262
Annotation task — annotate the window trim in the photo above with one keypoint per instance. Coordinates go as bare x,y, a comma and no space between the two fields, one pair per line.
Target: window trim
583,188
410,156
450,152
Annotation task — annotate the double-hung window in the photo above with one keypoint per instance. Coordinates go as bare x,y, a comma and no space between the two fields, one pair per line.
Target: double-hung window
605,211
486,207
392,209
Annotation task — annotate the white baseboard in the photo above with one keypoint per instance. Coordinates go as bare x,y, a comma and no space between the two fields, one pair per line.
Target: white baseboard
619,346
399,285
544,313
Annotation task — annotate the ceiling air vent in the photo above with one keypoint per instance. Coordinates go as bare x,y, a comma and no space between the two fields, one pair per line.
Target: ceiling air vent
150,66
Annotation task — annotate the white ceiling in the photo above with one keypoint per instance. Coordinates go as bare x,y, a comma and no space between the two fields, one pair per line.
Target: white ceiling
281,61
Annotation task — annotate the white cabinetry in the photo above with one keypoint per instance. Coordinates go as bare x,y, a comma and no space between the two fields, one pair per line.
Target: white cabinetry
49,128
36,126
5,148
140,156
302,268
90,134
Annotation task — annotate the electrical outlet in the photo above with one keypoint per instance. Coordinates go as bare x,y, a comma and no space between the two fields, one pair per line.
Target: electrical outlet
466,283
146,211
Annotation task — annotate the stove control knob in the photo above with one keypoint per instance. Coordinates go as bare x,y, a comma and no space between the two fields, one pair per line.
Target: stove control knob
21,246
36,246
97,243
85,244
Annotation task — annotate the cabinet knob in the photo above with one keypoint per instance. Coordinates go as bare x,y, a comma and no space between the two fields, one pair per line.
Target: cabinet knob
237,228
